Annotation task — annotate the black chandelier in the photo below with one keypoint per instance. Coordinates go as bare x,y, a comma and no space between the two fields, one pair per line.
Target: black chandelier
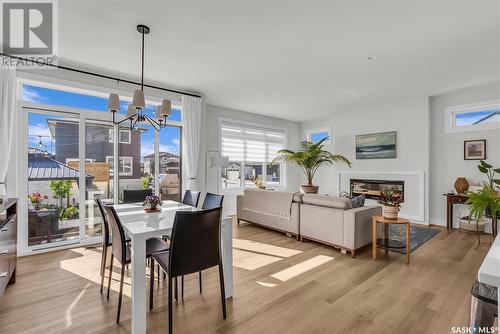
135,111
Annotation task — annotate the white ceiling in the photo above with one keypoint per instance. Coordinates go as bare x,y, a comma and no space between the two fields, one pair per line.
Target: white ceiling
292,60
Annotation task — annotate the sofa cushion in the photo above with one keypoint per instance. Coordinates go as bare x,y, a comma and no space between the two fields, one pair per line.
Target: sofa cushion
327,201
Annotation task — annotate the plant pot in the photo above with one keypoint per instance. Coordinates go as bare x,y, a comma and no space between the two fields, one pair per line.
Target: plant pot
37,206
306,189
472,225
390,212
153,207
461,185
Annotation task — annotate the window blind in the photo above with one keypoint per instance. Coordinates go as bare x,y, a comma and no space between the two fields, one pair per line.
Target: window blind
251,144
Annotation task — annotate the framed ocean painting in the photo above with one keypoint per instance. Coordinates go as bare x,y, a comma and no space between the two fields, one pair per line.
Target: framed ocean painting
376,145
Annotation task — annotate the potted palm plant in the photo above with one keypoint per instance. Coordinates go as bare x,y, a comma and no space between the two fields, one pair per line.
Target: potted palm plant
487,199
310,158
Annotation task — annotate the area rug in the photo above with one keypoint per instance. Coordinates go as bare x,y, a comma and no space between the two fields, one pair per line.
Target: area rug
419,235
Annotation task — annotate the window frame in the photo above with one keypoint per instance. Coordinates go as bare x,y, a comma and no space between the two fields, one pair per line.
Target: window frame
111,136
309,133
121,172
242,164
451,112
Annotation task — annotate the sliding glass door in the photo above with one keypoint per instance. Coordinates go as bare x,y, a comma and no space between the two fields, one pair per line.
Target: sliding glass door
53,178
74,154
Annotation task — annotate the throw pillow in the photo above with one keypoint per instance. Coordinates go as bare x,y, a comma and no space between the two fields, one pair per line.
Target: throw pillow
358,201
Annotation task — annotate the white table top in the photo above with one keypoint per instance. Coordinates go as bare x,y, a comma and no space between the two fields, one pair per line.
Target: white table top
137,222
489,272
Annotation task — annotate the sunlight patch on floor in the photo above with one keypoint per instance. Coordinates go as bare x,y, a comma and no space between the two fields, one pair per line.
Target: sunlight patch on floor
302,267
267,285
258,247
251,261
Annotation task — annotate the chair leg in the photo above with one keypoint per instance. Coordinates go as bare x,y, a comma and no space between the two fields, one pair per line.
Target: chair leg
175,289
157,269
122,277
170,324
151,282
182,286
201,285
103,265
110,273
222,290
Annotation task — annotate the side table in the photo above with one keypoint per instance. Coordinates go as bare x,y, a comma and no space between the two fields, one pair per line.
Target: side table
387,243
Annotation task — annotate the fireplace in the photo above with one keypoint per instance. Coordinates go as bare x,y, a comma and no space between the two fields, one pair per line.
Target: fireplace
373,188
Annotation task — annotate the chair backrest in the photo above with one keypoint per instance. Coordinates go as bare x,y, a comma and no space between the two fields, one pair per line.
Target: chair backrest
212,201
195,241
119,246
105,224
135,196
191,198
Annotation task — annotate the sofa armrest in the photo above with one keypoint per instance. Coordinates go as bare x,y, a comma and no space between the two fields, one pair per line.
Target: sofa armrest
358,225
239,204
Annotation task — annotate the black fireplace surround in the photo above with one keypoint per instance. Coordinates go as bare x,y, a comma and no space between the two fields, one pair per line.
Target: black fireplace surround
373,188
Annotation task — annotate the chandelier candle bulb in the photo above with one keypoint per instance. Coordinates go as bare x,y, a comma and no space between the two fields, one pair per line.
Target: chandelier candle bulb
130,110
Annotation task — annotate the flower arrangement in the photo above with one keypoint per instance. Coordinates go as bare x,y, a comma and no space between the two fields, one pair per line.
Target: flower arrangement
36,199
153,202
391,200
258,183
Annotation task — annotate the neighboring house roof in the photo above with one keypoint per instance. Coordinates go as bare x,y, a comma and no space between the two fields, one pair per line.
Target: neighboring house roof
493,117
162,154
42,167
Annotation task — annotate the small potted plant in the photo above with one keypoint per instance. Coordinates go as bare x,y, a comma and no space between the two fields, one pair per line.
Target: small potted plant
153,202
36,200
391,200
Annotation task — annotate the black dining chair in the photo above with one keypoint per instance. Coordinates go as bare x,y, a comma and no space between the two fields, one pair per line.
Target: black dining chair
191,198
106,238
212,201
135,196
121,251
195,245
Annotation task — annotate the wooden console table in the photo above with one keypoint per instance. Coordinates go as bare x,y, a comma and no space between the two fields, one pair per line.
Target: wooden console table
452,199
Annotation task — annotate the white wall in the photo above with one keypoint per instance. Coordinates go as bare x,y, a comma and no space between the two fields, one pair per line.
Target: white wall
210,142
409,117
447,149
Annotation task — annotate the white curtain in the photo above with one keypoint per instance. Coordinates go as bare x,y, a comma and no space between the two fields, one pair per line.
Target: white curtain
8,106
191,135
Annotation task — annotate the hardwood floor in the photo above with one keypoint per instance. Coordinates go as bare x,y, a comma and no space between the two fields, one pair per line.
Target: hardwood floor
281,286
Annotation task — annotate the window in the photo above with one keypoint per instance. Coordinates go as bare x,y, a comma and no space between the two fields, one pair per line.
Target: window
473,117
250,150
84,99
315,135
125,165
125,136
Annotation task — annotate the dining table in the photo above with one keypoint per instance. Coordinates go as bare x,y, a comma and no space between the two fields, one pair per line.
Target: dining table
141,225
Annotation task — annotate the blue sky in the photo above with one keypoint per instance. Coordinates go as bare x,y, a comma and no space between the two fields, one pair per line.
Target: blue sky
471,117
169,137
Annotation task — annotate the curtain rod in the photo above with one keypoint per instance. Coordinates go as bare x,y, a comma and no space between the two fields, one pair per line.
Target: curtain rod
100,75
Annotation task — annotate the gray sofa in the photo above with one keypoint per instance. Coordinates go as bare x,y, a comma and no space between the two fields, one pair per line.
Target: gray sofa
327,219
273,209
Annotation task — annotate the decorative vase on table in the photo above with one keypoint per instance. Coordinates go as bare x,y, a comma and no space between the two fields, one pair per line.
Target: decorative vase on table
461,185
152,203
